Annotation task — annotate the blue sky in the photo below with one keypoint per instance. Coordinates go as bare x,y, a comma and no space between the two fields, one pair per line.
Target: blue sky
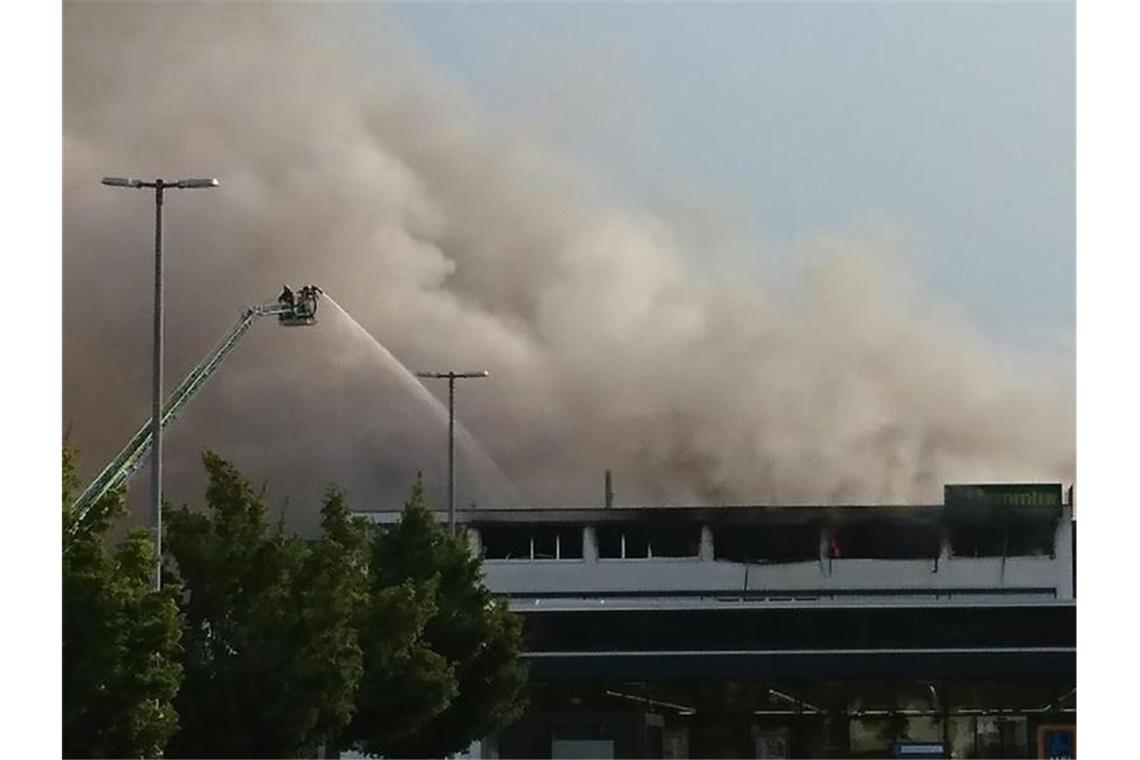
953,123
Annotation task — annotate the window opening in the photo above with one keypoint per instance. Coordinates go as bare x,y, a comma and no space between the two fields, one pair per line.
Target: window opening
766,543
610,542
506,542
883,539
680,540
570,542
538,542
1031,539
634,541
545,542
977,540
1021,538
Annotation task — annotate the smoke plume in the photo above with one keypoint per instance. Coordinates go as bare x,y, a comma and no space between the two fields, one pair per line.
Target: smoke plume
459,246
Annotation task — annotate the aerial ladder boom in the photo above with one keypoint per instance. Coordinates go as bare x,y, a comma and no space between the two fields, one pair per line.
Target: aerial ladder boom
291,310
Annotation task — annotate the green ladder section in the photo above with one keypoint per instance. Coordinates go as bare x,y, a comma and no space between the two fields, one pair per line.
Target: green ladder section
131,457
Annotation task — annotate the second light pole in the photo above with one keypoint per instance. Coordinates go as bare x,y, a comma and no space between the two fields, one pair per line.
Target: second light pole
451,378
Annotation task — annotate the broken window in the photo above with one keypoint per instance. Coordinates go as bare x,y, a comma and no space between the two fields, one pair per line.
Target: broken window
1022,538
532,542
505,542
545,542
680,540
570,542
1031,539
883,539
977,540
638,541
766,543
623,542
609,541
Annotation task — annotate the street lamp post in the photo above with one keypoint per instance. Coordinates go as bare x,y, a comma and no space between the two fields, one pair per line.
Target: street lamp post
159,186
451,378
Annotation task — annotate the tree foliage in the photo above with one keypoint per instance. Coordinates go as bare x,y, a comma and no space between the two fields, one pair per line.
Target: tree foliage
272,660
459,647
385,641
405,684
332,591
121,644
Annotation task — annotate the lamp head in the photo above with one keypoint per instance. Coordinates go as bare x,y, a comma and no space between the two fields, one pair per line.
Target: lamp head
190,184
122,182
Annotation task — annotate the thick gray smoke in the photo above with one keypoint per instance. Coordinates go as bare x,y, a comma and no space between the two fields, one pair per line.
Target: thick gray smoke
458,246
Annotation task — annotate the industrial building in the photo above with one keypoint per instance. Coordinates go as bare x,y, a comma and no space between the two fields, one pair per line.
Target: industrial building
792,631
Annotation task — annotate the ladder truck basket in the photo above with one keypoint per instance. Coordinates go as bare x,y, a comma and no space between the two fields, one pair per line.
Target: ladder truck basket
301,311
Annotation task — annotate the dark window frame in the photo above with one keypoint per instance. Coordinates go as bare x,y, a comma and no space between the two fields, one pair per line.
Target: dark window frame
624,541
1005,538
571,550
897,540
752,543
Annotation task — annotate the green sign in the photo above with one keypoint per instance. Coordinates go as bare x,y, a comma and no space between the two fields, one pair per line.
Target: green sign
995,500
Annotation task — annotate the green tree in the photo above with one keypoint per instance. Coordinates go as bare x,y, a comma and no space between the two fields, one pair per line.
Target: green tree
434,587
121,644
332,591
272,659
405,684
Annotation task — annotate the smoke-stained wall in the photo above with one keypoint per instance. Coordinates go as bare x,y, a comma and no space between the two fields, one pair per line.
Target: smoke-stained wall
456,245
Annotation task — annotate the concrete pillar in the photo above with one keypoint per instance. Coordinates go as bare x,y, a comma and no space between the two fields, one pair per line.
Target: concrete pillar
943,547
825,549
589,544
707,553
1063,555
944,543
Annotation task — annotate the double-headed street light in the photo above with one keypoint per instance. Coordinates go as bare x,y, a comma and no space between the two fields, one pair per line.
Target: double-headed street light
451,378
159,185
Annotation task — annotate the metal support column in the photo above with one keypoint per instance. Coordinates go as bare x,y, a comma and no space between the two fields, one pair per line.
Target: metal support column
156,398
